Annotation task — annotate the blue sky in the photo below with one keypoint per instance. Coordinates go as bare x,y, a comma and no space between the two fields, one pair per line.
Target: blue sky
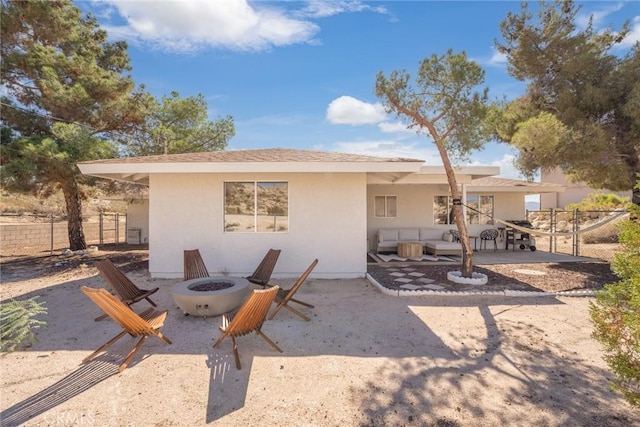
301,74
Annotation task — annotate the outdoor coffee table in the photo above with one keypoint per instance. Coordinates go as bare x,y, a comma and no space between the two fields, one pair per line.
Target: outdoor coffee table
410,249
210,296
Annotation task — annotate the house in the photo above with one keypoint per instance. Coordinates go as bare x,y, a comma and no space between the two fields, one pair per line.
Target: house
574,193
235,205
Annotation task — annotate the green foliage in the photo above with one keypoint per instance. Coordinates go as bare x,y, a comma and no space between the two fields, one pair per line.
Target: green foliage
599,201
579,112
17,322
66,95
616,314
444,102
178,125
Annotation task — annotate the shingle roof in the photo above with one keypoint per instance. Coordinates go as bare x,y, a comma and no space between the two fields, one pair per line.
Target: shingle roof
492,181
260,155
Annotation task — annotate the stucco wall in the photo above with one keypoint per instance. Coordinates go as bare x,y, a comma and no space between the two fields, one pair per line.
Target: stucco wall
327,220
138,218
575,192
415,208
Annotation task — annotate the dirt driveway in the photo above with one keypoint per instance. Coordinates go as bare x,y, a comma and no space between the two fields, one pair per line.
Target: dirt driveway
364,359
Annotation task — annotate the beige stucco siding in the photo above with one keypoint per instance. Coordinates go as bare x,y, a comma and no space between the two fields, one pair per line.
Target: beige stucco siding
575,192
415,208
138,218
327,220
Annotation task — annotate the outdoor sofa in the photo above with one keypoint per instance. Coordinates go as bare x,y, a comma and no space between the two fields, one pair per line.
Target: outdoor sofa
436,241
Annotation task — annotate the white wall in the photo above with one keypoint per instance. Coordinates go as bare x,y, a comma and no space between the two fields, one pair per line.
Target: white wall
509,206
415,208
327,220
575,192
138,217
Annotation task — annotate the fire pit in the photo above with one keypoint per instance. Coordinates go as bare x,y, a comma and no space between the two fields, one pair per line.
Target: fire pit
210,296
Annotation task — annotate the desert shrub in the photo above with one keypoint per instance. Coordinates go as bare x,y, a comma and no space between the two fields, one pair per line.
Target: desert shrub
600,201
17,322
608,233
616,313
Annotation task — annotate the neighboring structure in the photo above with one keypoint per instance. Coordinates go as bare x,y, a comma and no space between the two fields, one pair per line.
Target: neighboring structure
235,205
574,193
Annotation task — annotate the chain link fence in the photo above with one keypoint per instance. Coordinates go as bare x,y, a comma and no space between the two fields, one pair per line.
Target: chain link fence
599,242
32,234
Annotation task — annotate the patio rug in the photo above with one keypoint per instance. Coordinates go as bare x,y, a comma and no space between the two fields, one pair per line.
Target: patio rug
394,257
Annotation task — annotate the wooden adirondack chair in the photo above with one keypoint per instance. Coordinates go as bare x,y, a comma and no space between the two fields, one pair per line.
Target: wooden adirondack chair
263,272
194,267
249,317
124,288
140,325
284,297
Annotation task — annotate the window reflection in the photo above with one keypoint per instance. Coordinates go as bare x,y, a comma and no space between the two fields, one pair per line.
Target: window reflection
256,207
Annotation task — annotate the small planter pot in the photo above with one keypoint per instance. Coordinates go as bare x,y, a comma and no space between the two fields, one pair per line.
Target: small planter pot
475,279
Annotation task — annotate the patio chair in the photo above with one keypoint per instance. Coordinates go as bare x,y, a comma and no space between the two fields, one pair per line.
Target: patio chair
490,234
194,267
249,317
141,325
124,288
262,275
284,297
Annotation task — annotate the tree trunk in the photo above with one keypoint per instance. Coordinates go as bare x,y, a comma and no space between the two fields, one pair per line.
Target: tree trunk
73,202
458,214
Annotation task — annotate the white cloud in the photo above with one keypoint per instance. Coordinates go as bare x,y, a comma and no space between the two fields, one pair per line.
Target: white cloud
507,167
634,34
599,23
397,127
193,25
389,148
497,58
325,8
347,110
598,16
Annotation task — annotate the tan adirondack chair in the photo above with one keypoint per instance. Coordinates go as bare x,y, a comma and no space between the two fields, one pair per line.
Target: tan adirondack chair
124,288
194,267
140,325
249,318
284,297
263,272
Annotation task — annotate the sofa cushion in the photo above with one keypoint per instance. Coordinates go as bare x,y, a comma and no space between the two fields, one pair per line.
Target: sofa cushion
408,235
388,234
430,234
442,245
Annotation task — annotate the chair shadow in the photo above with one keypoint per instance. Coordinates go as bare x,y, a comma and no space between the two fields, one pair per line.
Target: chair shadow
77,382
225,382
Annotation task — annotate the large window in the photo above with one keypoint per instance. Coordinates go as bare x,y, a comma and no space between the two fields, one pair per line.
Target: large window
442,213
251,207
479,210
386,207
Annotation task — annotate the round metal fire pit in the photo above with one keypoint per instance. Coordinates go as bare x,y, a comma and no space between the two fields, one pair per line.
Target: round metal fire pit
220,295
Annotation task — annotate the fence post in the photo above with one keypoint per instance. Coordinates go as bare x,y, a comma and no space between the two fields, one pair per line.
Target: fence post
552,229
576,227
51,227
117,227
101,228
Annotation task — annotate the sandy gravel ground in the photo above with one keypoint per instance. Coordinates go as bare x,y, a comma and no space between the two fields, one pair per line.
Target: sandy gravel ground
365,359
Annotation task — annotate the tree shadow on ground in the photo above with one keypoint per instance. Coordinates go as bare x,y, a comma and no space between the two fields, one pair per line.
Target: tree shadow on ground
77,382
547,376
420,359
